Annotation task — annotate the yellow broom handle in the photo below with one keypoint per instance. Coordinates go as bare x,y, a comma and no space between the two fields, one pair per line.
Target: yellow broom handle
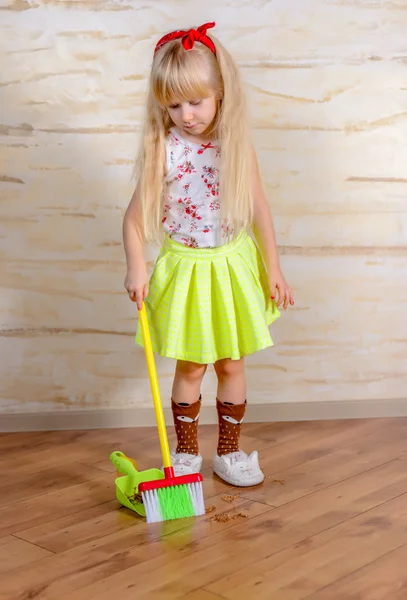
155,389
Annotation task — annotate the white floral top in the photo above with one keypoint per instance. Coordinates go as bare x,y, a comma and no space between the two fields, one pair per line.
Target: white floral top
191,212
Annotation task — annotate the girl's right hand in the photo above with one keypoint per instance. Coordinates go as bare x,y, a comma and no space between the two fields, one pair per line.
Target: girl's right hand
136,283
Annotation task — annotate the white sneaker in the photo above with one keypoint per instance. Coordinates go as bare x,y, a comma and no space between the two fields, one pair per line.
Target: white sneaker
239,468
185,464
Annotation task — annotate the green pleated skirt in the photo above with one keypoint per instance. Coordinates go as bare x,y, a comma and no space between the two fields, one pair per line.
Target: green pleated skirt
206,304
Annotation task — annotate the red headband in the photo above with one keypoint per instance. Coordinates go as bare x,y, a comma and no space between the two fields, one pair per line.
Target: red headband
189,38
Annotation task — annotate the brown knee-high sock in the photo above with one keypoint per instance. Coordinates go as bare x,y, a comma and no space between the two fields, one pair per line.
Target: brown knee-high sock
230,417
186,426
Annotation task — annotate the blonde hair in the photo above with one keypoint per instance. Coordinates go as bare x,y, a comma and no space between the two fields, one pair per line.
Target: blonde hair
178,75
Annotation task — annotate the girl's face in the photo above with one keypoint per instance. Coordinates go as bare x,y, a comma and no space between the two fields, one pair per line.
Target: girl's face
194,117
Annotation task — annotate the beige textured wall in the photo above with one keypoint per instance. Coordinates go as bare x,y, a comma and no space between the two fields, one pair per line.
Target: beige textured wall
327,83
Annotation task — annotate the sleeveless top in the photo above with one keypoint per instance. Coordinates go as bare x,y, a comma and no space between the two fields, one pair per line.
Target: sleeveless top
191,204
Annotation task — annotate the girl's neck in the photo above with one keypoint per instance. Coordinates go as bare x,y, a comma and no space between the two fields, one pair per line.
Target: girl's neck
194,139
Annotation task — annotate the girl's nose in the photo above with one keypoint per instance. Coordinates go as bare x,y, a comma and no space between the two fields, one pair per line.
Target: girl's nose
186,114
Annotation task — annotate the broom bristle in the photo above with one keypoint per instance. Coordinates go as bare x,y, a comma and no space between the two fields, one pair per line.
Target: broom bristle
174,502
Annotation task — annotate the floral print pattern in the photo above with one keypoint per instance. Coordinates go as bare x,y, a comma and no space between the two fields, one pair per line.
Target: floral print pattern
191,206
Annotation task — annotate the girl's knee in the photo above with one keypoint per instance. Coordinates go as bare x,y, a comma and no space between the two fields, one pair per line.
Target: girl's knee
191,371
229,368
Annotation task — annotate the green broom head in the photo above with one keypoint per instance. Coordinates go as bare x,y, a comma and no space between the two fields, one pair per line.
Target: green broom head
173,497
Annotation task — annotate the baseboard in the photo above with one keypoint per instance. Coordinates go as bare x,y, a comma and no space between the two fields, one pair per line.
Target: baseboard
256,413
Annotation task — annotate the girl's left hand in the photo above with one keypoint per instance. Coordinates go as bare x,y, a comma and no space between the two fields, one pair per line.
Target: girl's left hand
277,283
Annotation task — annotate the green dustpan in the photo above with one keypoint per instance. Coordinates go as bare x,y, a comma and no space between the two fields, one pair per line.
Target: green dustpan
127,484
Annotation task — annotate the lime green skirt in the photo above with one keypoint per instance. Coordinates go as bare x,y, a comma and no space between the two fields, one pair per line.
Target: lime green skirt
207,304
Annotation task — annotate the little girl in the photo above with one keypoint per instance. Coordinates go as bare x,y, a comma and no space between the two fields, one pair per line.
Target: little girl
212,295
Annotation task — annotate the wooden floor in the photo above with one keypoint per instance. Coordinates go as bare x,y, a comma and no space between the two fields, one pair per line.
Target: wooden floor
330,521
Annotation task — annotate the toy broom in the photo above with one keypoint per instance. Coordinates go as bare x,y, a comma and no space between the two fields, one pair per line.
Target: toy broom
171,497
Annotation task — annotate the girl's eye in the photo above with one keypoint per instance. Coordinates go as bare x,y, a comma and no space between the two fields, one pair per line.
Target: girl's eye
195,102
174,106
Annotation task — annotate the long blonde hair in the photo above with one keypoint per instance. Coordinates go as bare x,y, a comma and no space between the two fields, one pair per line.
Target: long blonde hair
178,75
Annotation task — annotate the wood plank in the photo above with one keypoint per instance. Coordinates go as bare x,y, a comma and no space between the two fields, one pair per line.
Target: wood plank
201,595
381,579
22,445
49,480
35,451
75,529
304,445
289,431
6,539
58,457
74,570
218,554
342,505
91,448
320,560
54,505
327,466
15,554
320,443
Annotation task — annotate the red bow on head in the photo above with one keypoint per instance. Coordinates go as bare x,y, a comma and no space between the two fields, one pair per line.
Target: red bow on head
189,38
